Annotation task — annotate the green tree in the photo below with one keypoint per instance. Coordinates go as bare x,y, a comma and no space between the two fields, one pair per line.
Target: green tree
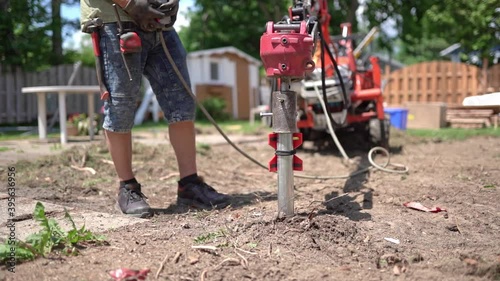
57,25
407,17
240,23
342,11
32,33
425,27
473,24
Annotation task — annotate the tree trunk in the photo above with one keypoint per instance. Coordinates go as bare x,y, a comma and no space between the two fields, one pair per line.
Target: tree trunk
56,27
7,51
351,16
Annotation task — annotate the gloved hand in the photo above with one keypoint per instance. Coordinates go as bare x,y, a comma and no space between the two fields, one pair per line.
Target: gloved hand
144,14
169,8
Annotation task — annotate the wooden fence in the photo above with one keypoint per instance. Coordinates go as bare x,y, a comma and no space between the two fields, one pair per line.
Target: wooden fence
439,81
16,107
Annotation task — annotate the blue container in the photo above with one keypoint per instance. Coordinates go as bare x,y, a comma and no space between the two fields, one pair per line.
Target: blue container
398,117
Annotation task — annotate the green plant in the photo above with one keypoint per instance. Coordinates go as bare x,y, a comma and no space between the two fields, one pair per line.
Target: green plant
204,238
3,148
215,107
50,237
81,122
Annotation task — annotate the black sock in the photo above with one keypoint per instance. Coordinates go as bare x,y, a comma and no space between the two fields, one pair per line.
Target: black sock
189,179
123,183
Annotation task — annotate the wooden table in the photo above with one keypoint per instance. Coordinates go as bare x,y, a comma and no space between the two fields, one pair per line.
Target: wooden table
61,91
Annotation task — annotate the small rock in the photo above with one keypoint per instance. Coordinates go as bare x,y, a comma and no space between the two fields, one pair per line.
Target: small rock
193,259
396,270
471,262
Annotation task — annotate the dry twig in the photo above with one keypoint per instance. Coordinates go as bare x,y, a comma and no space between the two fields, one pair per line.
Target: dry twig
458,227
204,274
245,251
161,266
85,169
204,247
176,257
171,175
244,261
106,161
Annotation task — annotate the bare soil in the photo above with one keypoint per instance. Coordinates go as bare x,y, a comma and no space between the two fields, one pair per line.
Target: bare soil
338,232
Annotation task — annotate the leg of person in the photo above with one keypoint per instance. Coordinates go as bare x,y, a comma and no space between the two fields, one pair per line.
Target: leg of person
182,137
118,119
179,109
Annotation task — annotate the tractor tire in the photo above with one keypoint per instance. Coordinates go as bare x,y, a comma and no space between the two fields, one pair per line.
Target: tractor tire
379,132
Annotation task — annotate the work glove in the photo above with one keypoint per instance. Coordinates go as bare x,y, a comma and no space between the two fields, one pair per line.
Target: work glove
169,8
143,13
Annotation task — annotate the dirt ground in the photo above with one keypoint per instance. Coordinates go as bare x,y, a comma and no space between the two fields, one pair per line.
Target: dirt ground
338,233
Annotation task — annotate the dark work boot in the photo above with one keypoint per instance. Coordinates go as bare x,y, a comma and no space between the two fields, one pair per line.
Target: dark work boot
131,201
201,195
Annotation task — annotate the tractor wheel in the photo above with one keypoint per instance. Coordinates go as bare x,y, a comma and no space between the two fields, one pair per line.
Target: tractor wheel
379,132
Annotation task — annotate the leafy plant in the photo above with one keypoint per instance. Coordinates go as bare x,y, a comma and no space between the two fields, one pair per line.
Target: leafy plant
81,122
204,238
51,237
215,107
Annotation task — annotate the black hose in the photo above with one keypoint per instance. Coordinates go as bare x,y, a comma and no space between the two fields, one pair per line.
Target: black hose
336,66
323,78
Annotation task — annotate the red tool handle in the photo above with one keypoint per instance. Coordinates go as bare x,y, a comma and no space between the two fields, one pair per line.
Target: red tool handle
95,44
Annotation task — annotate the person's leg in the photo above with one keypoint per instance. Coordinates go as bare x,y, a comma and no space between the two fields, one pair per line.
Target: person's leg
179,110
119,112
120,148
182,138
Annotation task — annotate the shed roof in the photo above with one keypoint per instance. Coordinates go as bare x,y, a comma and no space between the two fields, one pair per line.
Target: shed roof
224,50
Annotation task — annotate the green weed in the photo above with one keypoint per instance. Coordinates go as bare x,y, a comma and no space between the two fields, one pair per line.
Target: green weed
252,245
205,238
3,148
51,237
202,148
55,147
94,182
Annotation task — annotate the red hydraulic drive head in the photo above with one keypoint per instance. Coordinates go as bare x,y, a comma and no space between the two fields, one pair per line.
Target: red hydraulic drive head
286,50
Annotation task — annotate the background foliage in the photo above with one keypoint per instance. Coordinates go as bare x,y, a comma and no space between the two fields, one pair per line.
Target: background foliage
32,32
412,30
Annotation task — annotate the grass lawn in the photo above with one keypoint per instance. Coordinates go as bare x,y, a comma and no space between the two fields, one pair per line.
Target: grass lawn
244,127
232,126
453,133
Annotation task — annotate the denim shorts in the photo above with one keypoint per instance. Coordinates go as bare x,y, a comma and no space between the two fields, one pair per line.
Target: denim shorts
175,101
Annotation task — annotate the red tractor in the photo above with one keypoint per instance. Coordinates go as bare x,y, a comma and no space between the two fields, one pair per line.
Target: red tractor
343,85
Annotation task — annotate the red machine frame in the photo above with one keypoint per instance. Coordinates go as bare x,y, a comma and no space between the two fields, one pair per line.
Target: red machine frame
366,83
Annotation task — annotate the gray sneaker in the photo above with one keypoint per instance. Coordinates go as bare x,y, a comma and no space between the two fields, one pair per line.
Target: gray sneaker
131,201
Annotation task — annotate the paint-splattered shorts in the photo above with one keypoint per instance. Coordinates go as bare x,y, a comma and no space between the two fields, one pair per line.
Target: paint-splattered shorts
173,98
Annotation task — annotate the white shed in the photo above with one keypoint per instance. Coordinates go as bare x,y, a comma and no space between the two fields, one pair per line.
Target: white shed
227,73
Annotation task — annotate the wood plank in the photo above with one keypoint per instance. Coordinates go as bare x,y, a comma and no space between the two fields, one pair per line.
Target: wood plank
10,100
485,121
20,106
485,112
467,126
